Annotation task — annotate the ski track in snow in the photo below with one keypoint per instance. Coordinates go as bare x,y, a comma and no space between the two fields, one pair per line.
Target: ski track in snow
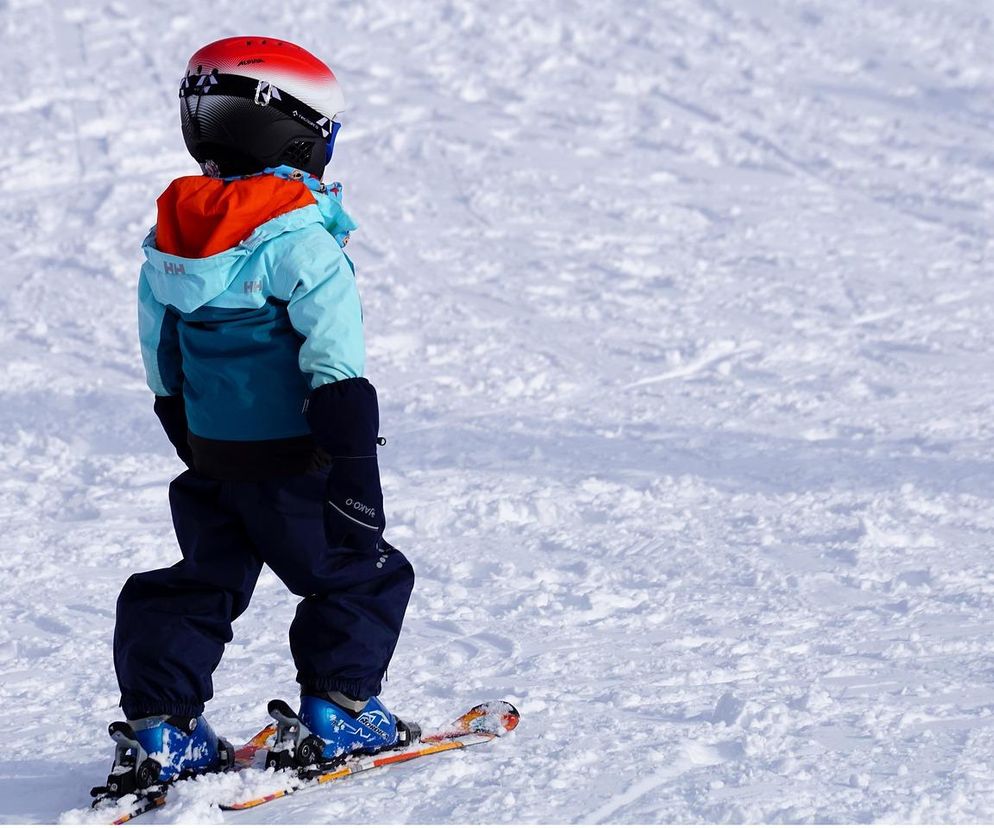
681,324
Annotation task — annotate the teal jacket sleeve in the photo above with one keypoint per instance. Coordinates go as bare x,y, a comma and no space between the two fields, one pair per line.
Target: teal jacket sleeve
318,282
157,333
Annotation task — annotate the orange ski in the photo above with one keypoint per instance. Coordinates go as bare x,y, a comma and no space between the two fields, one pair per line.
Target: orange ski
478,726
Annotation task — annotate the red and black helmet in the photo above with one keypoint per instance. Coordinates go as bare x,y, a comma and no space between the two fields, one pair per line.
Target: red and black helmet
247,103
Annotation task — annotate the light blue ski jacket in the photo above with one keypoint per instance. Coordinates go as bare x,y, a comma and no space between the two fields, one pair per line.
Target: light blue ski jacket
245,332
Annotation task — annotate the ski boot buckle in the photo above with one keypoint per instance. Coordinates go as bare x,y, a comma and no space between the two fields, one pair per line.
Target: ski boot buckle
133,769
295,746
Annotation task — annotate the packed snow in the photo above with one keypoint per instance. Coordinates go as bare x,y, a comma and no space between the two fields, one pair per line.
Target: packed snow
680,315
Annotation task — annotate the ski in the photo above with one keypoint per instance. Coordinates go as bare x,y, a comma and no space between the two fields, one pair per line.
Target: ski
142,803
477,726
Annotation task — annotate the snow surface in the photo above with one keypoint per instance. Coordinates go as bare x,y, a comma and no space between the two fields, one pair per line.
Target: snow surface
680,314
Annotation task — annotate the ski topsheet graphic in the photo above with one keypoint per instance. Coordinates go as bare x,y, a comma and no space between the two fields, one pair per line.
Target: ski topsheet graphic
477,726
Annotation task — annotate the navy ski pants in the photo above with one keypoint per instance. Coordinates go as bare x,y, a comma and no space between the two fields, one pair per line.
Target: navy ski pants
172,624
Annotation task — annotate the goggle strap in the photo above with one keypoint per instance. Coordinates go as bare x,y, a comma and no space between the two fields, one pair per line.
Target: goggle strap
260,92
330,144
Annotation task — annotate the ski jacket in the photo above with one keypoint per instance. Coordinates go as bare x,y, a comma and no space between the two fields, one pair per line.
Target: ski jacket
246,303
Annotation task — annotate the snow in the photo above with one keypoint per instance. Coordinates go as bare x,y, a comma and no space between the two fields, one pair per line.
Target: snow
680,317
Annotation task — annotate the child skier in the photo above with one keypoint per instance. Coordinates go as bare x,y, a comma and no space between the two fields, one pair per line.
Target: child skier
251,336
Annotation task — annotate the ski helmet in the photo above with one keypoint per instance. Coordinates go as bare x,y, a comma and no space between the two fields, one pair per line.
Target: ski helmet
247,103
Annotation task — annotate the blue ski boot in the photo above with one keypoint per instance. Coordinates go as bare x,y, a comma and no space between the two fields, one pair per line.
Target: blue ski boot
157,750
332,726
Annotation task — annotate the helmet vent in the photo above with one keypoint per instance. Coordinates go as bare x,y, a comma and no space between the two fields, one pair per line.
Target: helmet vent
298,154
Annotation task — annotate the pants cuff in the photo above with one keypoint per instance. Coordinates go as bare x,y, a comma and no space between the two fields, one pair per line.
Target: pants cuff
139,707
353,688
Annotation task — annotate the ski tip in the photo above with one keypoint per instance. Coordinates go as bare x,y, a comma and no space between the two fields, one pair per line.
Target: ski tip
497,717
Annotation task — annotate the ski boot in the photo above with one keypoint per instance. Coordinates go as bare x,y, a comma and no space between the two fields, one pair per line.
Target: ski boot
153,752
327,731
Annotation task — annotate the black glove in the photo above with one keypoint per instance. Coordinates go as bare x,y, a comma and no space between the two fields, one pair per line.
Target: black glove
172,414
354,507
344,418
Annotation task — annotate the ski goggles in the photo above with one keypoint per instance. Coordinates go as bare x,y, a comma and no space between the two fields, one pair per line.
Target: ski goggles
329,147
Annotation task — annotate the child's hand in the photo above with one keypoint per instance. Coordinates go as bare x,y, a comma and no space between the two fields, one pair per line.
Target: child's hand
344,418
171,412
353,509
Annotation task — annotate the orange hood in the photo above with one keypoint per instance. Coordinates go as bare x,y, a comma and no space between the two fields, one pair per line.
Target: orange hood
201,216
